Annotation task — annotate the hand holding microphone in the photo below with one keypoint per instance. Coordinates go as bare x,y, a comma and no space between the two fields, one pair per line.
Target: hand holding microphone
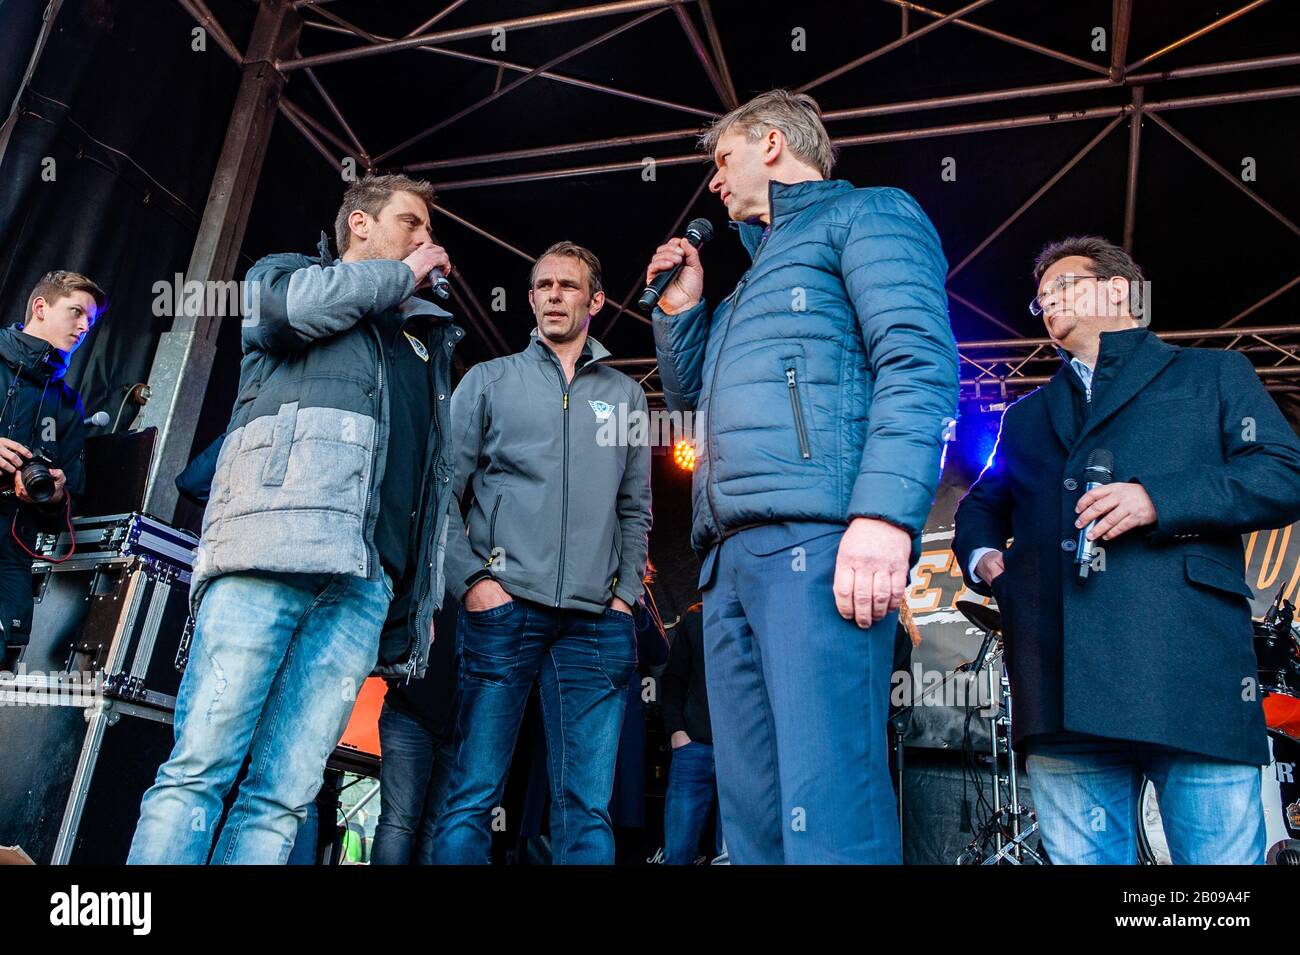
430,265
1098,474
675,277
1108,510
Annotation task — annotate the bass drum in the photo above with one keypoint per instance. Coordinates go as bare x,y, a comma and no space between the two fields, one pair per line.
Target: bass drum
1278,791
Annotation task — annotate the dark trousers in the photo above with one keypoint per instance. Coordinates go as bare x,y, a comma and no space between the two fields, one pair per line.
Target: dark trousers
582,662
798,698
414,771
691,797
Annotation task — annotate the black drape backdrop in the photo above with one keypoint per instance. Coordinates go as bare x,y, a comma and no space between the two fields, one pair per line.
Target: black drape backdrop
109,165
22,25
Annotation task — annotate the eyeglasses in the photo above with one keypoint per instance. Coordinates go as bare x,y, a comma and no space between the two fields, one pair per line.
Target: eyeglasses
1062,282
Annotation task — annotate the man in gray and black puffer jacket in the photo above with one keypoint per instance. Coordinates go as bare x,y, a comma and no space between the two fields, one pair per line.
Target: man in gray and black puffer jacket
327,516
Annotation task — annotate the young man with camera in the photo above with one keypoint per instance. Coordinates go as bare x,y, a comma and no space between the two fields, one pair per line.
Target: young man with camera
41,432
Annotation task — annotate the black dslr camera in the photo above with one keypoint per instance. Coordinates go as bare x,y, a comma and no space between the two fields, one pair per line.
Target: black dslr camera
36,477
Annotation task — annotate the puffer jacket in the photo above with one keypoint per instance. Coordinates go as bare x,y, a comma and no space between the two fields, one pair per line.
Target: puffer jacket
823,386
295,488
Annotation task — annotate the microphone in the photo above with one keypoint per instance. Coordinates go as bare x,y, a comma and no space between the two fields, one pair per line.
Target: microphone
438,284
97,420
1100,472
698,232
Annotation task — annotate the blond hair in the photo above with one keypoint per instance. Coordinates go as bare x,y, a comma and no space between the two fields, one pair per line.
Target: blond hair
796,115
60,284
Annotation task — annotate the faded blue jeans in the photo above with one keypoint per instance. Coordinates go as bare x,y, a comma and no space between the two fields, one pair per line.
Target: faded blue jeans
1086,795
275,666
583,662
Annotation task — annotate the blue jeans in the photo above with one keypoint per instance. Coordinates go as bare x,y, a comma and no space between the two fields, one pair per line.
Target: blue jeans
798,698
583,662
275,666
413,774
692,792
1085,791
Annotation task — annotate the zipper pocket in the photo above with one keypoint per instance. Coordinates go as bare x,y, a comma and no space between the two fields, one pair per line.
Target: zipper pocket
797,407
492,531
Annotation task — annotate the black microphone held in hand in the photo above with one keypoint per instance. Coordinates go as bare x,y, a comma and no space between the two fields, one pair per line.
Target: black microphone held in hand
1100,472
698,232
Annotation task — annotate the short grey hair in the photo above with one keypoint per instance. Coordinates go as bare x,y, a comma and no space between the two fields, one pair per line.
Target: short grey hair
796,115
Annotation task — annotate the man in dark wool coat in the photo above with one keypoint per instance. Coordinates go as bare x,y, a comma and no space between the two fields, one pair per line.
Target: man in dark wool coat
1143,665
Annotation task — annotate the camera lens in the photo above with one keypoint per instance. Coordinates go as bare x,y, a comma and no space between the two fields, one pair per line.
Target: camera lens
37,480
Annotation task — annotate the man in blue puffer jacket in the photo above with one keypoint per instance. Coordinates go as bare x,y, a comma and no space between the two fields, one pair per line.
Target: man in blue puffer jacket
823,388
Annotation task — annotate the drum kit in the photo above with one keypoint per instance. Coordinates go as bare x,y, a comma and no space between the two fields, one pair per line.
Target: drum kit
1002,840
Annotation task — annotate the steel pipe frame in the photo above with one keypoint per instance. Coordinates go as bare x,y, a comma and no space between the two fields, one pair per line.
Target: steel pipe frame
1205,158
942,102
1039,119
1274,376
1197,34
907,5
344,27
483,29
725,95
1131,177
450,8
893,45
200,12
719,58
1120,22
182,361
300,121
885,109
339,118
1038,194
531,74
321,130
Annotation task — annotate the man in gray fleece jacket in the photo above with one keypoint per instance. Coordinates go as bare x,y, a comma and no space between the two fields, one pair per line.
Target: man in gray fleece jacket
547,563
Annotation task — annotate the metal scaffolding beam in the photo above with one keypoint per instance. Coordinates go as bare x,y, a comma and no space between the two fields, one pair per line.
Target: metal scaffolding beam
906,6
482,29
708,48
345,27
888,109
183,360
531,74
954,129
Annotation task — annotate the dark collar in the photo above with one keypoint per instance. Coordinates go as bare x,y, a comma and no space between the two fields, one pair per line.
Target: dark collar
36,358
1128,360
1113,347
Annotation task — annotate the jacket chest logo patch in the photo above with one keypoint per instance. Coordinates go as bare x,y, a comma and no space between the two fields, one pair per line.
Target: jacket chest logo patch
418,346
603,409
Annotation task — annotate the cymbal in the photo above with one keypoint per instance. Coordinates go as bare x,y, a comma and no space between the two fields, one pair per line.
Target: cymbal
984,617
